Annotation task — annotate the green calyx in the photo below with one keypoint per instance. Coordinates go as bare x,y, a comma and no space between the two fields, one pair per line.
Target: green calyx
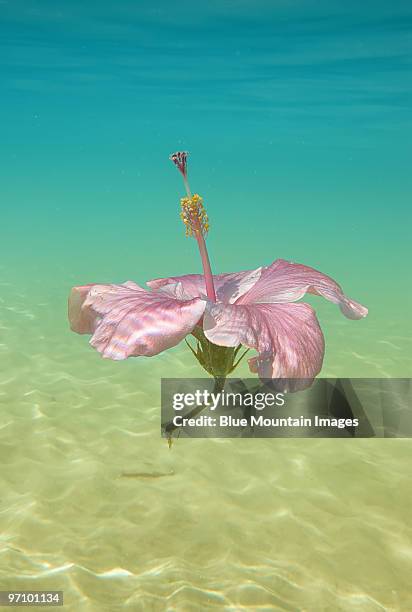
218,361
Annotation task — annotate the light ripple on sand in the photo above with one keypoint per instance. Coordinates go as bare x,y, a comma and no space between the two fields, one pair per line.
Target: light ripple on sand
242,525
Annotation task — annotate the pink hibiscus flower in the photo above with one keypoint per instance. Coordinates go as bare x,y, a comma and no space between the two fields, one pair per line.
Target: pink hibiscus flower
257,309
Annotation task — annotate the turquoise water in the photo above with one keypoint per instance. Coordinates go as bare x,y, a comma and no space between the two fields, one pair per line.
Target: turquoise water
297,117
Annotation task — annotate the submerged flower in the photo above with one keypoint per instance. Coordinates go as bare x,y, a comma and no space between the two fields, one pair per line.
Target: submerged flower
258,309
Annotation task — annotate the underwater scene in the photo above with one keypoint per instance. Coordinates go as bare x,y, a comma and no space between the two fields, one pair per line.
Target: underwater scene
277,135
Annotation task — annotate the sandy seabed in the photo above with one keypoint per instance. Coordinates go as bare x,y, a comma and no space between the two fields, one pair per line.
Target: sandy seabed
210,524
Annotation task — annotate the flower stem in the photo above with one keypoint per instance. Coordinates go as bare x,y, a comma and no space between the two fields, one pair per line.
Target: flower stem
170,427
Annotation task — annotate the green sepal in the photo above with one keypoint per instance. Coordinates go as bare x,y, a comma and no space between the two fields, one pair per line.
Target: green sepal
218,361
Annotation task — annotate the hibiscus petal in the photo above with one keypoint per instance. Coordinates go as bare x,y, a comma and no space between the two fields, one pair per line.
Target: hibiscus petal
193,284
229,286
132,321
175,290
284,281
287,337
82,319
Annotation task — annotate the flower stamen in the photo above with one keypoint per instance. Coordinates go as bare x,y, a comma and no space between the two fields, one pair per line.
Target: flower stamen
180,161
196,221
194,216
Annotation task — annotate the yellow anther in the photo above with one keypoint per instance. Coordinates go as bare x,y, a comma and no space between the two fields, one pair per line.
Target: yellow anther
194,215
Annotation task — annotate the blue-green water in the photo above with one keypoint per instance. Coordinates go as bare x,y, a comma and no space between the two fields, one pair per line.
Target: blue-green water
297,117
